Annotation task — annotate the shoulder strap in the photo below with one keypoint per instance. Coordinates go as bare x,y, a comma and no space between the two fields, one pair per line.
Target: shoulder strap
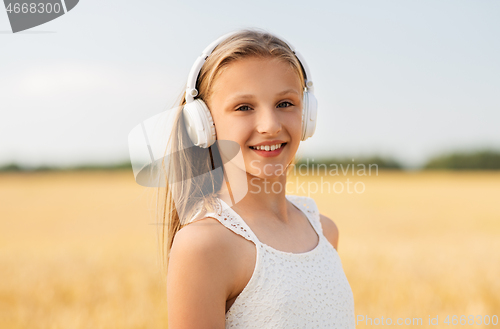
309,207
230,219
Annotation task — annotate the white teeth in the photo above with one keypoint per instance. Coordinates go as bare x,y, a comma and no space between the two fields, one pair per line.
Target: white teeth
267,147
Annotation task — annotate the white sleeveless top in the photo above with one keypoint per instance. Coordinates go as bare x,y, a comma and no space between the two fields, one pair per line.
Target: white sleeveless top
291,290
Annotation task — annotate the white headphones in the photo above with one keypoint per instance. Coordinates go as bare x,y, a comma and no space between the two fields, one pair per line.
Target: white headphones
198,120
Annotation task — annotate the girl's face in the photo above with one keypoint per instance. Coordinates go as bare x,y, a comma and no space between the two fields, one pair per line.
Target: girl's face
259,100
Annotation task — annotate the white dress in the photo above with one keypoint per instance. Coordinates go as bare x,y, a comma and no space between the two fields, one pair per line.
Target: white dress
291,290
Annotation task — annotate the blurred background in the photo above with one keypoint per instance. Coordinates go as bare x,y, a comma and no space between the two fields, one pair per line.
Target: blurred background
409,86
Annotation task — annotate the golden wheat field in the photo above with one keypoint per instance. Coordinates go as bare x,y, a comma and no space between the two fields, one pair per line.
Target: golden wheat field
79,250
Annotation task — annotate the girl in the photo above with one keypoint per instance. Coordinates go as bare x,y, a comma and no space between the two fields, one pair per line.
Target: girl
245,255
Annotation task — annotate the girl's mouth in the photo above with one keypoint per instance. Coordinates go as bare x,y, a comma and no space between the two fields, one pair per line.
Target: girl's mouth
268,150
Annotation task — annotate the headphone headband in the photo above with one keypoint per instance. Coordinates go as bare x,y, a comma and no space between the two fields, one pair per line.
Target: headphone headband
191,91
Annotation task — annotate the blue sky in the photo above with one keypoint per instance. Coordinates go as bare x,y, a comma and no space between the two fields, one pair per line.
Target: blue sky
395,78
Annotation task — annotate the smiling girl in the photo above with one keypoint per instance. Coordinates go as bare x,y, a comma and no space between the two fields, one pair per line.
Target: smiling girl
264,259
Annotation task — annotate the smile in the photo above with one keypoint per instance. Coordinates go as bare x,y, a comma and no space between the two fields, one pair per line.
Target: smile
268,150
267,147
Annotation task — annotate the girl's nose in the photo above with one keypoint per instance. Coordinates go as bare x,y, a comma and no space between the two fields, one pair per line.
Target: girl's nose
268,121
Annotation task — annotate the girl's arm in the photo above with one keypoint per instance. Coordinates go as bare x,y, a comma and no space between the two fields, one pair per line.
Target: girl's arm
198,277
330,230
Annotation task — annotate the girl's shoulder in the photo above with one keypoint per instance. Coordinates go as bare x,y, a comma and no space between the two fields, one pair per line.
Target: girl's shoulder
207,235
326,225
330,230
308,206
206,246
202,269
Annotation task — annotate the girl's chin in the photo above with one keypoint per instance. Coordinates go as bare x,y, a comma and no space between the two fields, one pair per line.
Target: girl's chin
268,172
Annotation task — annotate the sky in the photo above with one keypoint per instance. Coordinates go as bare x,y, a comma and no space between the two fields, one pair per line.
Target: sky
402,79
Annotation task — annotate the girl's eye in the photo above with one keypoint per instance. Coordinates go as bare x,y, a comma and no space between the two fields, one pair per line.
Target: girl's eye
285,103
243,108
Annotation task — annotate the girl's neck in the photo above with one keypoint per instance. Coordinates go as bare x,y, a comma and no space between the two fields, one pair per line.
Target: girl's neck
264,198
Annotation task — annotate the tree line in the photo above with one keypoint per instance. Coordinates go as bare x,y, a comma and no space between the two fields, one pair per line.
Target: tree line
472,160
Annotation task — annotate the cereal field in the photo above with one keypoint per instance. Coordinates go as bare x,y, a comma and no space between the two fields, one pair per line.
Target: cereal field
79,250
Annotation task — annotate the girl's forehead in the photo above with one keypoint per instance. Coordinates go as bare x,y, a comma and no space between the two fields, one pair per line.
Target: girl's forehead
250,63
254,72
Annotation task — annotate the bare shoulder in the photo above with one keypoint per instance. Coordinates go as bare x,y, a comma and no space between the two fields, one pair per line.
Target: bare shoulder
203,243
198,278
205,237
330,230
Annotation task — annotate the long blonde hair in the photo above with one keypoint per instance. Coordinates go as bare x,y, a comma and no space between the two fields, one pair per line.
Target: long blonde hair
244,44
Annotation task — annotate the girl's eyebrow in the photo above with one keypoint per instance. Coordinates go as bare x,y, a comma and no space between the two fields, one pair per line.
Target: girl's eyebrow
249,96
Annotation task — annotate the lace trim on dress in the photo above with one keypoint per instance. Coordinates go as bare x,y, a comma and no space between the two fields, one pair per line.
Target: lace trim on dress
229,218
233,221
308,206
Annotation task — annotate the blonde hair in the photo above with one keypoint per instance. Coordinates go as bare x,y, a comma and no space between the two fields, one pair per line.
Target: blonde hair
189,159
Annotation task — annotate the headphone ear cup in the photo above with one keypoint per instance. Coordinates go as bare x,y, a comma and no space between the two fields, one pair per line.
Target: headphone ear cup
199,123
309,115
